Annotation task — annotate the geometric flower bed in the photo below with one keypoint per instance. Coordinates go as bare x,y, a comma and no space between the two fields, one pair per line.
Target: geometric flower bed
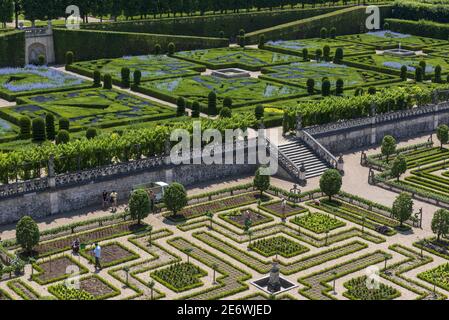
290,209
243,91
15,82
296,46
387,63
245,58
240,217
63,292
318,222
94,107
111,254
4,295
389,39
351,212
277,245
56,269
152,67
298,73
438,276
180,276
358,290
95,235
217,205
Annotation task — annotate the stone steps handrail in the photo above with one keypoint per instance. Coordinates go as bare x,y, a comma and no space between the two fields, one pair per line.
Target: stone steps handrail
283,160
318,148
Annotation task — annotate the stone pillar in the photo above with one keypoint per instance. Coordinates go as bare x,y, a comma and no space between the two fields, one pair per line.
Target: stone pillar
373,124
51,172
302,173
341,164
436,117
298,124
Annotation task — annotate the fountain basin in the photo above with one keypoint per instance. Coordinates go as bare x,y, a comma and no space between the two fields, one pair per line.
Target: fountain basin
231,73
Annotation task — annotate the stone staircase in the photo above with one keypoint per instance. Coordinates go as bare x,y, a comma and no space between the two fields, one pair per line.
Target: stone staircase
298,153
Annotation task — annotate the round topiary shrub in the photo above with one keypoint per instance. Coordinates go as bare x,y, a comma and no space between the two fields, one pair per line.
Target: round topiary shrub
404,73
259,112
221,34
38,126
180,107
339,87
107,82
261,41
50,126
326,88
372,90
305,54
171,49
27,233
212,104
195,109
418,74
326,53
97,79
437,78
333,33
310,86
137,78
227,102
157,49
91,133
64,124
125,75
69,58
338,57
25,127
62,137
323,33
225,112
41,60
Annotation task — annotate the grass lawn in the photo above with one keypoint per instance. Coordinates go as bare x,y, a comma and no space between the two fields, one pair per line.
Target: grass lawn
249,59
295,47
16,82
93,107
388,39
298,73
152,67
243,91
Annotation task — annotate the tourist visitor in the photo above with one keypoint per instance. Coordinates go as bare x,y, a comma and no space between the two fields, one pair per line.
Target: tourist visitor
114,200
283,204
105,199
76,246
97,254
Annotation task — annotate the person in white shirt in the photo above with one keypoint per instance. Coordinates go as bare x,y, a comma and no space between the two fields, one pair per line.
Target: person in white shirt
97,253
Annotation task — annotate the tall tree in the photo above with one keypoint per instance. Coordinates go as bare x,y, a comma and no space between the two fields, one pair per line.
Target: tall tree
440,223
139,205
388,147
330,182
443,134
6,11
27,233
403,208
175,197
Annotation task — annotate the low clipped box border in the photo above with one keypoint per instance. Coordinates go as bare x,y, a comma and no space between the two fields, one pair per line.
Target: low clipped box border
41,271
201,273
132,255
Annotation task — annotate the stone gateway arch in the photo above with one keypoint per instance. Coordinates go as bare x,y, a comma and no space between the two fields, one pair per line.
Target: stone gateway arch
39,41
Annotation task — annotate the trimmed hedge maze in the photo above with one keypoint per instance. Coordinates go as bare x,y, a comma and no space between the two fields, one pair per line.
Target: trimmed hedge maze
16,82
426,175
243,91
245,58
152,67
298,73
183,262
296,47
85,108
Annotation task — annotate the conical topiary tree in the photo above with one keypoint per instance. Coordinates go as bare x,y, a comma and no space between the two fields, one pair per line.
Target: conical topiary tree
212,103
50,126
38,126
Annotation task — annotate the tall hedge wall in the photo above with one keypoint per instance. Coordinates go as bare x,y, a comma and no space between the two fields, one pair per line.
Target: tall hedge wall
92,44
420,28
416,10
12,49
347,21
211,25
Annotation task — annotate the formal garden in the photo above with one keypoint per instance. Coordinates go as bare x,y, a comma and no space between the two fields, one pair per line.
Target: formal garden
104,107
245,224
